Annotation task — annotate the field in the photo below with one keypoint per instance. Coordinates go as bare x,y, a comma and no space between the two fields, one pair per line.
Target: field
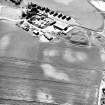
23,80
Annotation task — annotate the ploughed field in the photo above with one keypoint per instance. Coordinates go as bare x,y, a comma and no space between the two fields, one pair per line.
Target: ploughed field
30,73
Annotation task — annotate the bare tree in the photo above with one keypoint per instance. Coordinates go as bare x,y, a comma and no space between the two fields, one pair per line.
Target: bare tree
17,2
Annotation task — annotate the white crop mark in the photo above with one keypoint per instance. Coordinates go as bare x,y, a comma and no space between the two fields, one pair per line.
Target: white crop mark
73,57
68,56
43,96
52,72
1,7
4,42
81,56
50,52
102,56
